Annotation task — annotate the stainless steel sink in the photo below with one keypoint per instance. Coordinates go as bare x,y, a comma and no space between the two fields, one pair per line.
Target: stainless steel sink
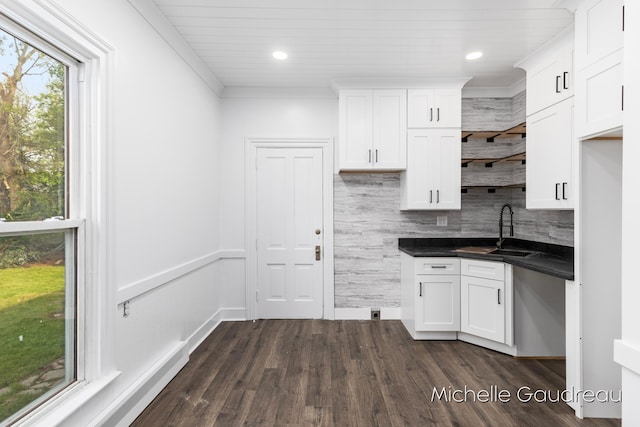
510,252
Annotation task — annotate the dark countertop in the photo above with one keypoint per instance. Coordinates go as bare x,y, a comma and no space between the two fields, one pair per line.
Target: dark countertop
547,258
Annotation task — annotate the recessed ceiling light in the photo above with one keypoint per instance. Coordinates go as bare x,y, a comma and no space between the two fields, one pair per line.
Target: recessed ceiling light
280,55
473,55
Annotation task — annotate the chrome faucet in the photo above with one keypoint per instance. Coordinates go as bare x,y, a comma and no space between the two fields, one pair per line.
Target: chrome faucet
501,224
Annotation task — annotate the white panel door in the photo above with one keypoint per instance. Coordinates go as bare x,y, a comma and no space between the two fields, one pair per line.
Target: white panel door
289,229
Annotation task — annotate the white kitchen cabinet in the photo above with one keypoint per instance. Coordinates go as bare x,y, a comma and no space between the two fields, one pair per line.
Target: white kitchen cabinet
549,74
433,176
438,303
549,157
486,305
434,108
599,61
600,97
599,30
430,296
373,130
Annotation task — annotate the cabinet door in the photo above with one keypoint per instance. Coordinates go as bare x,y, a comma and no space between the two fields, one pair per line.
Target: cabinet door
438,302
432,178
550,74
415,181
482,308
549,157
448,108
420,113
389,129
448,169
599,30
600,93
551,82
356,129
434,108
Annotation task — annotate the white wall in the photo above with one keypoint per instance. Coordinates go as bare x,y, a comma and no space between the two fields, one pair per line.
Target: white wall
257,114
628,349
164,130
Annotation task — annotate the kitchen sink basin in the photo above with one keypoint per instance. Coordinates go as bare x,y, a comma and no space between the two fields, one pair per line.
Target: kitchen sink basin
510,252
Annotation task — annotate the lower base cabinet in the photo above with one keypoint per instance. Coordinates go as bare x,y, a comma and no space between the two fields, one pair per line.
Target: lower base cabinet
452,298
430,294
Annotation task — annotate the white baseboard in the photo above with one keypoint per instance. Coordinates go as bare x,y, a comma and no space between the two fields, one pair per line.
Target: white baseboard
233,314
364,313
123,410
390,313
136,398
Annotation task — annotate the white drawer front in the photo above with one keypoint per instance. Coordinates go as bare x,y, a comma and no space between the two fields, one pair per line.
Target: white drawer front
485,269
437,266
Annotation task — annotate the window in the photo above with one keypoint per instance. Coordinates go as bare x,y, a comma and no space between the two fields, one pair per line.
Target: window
40,244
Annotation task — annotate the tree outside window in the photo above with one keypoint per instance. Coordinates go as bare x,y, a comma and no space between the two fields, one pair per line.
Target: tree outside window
37,342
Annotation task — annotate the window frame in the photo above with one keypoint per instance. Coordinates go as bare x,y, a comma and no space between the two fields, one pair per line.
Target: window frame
89,193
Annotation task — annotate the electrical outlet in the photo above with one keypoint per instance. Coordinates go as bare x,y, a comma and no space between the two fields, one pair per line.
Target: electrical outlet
441,221
375,314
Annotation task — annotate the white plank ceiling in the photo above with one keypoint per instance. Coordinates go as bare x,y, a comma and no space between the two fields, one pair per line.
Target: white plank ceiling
337,39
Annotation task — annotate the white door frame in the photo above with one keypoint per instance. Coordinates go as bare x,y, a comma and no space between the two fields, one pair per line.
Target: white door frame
251,266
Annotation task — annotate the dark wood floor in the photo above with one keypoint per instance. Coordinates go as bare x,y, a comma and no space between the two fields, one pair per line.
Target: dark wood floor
351,373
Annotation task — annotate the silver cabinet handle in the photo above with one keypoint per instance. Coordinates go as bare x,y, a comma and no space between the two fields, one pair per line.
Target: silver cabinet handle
438,114
420,289
557,190
430,114
558,84
439,266
430,196
565,78
376,156
499,297
369,156
437,196
564,191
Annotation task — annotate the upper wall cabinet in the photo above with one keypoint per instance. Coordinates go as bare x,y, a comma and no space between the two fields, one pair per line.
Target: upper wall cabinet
550,124
549,74
599,64
549,157
434,108
432,178
599,30
373,129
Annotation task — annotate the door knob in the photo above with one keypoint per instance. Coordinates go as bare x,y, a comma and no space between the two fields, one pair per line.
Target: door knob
318,231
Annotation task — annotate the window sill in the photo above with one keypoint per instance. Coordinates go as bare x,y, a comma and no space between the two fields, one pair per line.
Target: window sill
67,402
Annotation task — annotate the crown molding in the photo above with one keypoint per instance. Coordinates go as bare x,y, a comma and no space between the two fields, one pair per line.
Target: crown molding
155,18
